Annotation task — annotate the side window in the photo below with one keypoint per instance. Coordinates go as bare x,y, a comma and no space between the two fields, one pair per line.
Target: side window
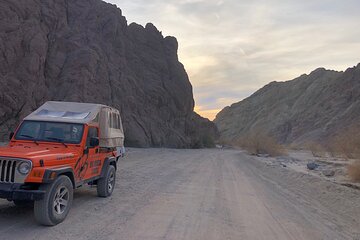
96,119
114,120
120,123
117,121
109,119
93,132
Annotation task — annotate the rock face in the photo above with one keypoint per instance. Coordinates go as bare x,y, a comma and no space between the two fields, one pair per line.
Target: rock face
309,108
84,50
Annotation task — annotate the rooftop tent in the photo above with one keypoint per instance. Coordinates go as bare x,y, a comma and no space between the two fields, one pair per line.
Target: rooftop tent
66,112
111,130
107,118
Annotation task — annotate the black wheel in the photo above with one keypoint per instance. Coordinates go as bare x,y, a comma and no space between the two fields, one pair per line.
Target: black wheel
55,205
105,185
22,203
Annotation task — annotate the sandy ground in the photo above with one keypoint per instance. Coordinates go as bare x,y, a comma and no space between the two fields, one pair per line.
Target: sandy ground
200,194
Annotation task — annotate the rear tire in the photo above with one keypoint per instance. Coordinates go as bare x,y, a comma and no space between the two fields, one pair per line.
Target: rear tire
57,201
105,185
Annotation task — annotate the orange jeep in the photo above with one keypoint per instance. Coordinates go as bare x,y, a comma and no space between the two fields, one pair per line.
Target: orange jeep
56,149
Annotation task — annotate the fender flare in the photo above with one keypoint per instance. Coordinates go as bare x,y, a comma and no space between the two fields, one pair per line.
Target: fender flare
68,171
108,161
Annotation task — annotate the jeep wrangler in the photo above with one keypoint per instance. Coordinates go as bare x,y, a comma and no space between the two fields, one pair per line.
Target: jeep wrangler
60,147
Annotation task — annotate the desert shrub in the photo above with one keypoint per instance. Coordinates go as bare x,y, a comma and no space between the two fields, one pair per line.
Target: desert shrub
205,141
317,150
346,143
208,141
259,142
354,171
295,146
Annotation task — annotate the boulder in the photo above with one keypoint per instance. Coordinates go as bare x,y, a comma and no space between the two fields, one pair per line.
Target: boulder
312,166
265,155
328,173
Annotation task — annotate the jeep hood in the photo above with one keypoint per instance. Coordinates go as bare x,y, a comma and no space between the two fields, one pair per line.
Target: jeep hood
42,151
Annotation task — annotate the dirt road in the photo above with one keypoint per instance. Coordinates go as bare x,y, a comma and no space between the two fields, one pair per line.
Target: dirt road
200,194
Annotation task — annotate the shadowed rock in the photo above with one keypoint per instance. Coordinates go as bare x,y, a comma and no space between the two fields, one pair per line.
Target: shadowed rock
77,50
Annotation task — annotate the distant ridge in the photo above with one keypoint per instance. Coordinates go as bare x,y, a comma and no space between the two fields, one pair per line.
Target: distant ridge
308,108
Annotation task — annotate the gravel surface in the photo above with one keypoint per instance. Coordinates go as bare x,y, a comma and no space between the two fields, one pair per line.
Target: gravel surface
200,194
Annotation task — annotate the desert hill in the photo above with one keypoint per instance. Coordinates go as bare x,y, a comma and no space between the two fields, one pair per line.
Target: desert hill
310,108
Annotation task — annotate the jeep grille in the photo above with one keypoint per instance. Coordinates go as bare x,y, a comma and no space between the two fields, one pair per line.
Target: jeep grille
8,171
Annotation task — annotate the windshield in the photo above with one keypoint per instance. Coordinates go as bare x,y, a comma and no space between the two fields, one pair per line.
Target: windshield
50,132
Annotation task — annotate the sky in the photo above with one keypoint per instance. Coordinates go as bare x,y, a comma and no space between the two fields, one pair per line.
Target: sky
231,48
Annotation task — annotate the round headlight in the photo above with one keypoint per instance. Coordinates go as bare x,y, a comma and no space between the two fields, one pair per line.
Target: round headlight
24,168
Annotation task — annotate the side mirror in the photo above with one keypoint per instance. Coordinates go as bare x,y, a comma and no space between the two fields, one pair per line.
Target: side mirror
94,142
11,135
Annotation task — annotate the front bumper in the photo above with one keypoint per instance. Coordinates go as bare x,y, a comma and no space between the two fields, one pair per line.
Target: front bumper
13,191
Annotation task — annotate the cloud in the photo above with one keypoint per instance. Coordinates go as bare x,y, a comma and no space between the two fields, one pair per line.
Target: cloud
230,48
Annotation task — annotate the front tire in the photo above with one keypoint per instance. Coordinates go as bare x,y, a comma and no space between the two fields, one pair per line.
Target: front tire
55,205
105,185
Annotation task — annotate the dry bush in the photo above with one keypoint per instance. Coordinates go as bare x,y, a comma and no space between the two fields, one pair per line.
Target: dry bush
204,141
225,142
354,171
260,143
316,149
346,143
295,146
335,149
208,141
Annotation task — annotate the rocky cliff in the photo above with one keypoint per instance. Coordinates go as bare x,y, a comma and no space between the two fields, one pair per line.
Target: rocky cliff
309,108
84,50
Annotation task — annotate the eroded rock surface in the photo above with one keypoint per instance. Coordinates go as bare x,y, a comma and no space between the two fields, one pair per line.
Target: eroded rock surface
310,108
84,50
